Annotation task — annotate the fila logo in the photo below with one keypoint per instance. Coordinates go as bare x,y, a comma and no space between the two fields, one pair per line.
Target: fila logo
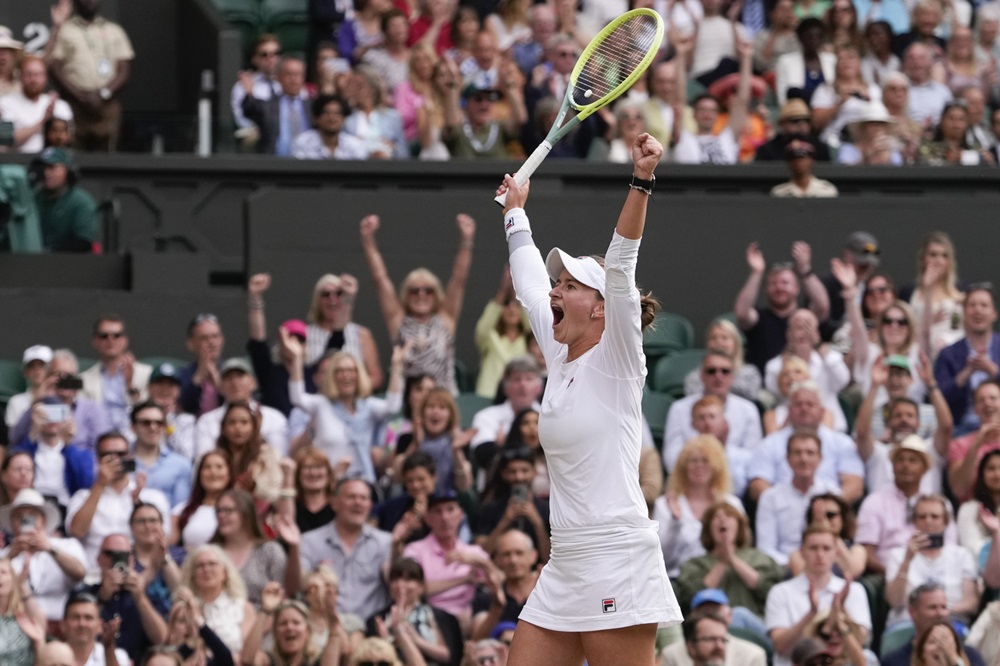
509,224
608,605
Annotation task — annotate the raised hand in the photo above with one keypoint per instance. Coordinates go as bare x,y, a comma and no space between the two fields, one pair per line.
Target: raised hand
674,504
258,284
646,154
349,284
291,346
369,226
802,255
755,258
466,226
287,530
844,272
271,596
517,195
880,372
61,12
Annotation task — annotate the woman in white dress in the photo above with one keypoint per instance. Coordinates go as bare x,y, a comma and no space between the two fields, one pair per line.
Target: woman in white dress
605,589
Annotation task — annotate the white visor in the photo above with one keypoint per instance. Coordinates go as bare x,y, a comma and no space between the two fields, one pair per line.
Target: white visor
584,270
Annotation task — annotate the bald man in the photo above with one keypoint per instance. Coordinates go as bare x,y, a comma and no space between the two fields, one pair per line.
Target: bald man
516,557
56,653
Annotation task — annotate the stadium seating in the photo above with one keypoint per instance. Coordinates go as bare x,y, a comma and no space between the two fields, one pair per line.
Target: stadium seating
670,371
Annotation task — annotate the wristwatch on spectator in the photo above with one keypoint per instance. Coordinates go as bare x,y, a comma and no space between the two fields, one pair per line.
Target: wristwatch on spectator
105,93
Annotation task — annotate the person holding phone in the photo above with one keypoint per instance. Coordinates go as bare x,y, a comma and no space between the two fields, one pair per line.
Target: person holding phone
927,557
514,505
586,604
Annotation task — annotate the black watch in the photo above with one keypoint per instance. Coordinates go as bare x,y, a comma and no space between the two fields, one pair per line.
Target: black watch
643,185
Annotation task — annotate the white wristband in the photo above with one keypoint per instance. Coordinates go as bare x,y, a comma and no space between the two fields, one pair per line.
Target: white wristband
514,221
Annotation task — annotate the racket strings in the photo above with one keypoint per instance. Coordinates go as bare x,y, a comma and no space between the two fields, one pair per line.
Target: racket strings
614,59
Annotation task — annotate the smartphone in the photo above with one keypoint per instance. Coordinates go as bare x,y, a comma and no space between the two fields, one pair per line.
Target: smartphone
55,413
128,465
935,541
119,561
519,492
28,523
70,383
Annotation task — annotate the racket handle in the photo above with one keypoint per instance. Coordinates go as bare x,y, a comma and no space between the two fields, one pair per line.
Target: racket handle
528,168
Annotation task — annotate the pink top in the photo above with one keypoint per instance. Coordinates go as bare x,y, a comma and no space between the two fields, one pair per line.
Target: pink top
884,522
960,446
433,559
408,101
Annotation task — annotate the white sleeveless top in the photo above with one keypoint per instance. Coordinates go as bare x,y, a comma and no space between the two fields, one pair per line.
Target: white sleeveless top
224,616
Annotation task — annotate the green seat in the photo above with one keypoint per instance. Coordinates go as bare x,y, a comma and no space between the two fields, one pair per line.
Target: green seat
289,21
464,378
655,406
11,379
469,403
157,361
85,362
669,333
895,639
670,371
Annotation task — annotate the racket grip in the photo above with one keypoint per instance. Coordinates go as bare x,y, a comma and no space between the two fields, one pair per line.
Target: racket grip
528,168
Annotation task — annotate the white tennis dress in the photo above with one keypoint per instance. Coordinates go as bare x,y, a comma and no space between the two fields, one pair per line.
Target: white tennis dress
606,568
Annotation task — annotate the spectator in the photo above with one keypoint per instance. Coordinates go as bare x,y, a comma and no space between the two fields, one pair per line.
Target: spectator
345,417
700,479
486,651
465,27
190,636
858,260
153,558
165,470
961,367
731,572
783,509
423,309
392,58
793,604
879,292
57,133
723,335
411,95
843,638
264,74
355,551
842,26
717,375
327,140
313,480
501,336
284,115
104,508
940,319
476,132
831,511
34,368
940,644
431,115
878,61
17,472
868,140
927,557
501,602
434,27
293,633
794,121
237,385
764,327
29,108
61,468
510,25
522,389
82,626
215,581
122,594
804,70
983,637
195,521
403,514
325,19
451,567
884,521
514,506
793,370
979,134
927,97
67,212
973,532
165,391
529,52
826,365
415,390
117,381
320,589
716,44
707,641
375,650
331,326
708,418
707,146
961,67
378,125
950,142
439,436
51,565
800,155
841,466
91,62
927,606
839,102
925,22
987,29
779,38
256,465
10,49
363,30
482,70
200,380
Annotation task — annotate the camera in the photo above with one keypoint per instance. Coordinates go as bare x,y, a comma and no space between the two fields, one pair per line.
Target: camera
935,541
28,523
119,561
70,383
128,465
55,413
519,492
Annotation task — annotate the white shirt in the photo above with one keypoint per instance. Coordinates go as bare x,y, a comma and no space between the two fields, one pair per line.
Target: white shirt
742,416
112,515
788,602
273,428
493,420
16,407
879,473
309,146
840,456
927,100
781,517
200,527
98,658
951,568
262,89
830,372
50,583
18,109
50,472
720,148
680,538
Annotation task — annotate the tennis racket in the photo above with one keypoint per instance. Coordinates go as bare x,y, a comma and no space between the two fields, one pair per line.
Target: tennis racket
610,64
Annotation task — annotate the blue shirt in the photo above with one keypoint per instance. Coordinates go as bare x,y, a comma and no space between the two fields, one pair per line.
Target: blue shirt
116,399
171,475
840,456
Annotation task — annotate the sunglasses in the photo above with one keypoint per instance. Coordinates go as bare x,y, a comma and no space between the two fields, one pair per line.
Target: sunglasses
111,335
115,554
327,293
151,423
414,291
897,321
268,54
119,454
718,371
879,290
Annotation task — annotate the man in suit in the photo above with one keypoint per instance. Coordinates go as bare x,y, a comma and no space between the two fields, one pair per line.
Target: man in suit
117,381
282,117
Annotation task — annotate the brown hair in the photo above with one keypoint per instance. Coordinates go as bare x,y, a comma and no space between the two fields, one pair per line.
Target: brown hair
848,523
649,305
310,454
743,538
247,511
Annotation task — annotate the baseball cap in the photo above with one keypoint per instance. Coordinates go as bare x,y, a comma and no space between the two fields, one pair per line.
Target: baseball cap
295,327
443,496
165,371
236,364
56,156
709,596
898,361
473,90
864,247
584,270
41,353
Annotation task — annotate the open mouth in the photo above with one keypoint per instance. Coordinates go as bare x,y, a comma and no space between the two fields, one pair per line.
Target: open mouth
557,315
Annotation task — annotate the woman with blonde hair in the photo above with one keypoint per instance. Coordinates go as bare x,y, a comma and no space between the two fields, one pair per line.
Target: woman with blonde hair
423,312
413,92
445,76
380,651
22,622
700,479
937,301
723,335
217,586
330,326
961,67
345,415
291,632
190,636
510,23
320,589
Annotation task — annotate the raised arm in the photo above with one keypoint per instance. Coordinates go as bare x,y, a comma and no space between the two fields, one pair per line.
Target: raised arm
258,284
455,291
746,314
819,300
740,104
848,279
392,309
646,154
942,433
863,435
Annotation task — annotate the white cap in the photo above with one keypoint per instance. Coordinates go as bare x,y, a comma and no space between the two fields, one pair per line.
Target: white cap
37,353
584,270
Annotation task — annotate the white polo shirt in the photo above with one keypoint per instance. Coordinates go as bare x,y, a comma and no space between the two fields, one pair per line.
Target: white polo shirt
49,582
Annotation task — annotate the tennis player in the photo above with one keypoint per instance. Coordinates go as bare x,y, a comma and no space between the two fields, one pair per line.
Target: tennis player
605,588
